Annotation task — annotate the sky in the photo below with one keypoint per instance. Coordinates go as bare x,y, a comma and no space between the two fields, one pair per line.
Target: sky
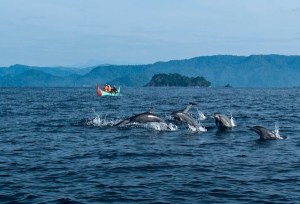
80,33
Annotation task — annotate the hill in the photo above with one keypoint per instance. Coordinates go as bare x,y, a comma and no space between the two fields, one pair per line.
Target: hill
35,78
177,80
238,71
56,71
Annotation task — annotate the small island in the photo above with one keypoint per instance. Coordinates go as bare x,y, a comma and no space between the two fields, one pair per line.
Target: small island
177,80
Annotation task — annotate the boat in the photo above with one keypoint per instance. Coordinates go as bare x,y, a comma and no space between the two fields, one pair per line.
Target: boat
107,93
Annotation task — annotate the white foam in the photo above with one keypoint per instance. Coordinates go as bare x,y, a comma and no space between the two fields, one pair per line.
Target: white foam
198,120
276,131
159,126
232,120
199,128
102,121
201,116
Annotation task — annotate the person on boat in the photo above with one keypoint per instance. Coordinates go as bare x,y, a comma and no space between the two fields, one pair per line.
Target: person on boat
105,87
114,89
109,88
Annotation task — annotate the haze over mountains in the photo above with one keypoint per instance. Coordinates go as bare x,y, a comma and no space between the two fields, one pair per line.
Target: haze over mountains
238,71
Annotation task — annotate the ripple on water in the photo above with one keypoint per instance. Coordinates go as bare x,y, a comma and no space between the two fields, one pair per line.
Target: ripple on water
60,145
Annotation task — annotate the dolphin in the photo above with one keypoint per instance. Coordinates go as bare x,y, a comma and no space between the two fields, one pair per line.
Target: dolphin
145,117
265,134
222,121
184,117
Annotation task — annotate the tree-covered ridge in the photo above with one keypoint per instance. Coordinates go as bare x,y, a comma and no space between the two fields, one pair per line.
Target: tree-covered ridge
238,71
177,80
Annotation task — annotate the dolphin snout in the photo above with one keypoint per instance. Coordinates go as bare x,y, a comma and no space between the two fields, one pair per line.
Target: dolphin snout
252,128
216,116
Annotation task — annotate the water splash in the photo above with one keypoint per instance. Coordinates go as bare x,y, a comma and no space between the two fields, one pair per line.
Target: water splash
101,122
201,116
158,126
232,120
276,129
199,128
202,129
168,117
192,129
276,132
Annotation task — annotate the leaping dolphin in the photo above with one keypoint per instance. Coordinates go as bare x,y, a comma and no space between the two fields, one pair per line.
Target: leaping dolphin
222,121
145,117
184,117
266,134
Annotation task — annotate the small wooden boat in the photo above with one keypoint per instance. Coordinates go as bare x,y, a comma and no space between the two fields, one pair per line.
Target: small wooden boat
106,93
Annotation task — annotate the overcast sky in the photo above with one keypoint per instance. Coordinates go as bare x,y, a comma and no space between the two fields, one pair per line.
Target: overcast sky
91,32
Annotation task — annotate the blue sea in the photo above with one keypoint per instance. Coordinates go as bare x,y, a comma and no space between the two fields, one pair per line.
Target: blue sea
60,145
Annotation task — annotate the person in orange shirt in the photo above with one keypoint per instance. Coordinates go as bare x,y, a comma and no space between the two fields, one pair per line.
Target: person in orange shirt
105,87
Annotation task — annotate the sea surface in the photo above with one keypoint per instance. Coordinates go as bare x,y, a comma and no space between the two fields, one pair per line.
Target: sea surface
59,145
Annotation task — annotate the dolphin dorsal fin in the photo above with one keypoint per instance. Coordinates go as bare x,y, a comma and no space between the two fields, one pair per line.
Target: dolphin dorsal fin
187,108
151,110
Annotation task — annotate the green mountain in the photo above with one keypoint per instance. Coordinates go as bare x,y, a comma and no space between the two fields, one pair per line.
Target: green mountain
13,70
35,78
56,71
238,71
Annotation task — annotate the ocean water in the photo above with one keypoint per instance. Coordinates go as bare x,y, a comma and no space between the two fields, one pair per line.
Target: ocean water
59,145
